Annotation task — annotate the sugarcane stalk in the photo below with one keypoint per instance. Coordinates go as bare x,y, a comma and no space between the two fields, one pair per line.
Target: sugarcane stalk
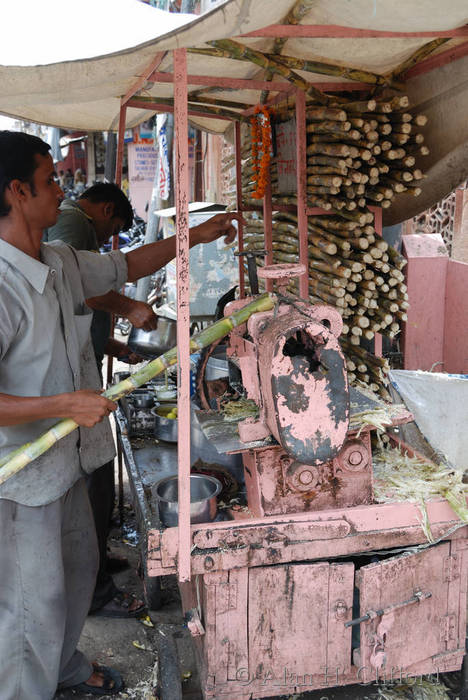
415,57
336,71
294,16
143,99
235,50
14,462
325,113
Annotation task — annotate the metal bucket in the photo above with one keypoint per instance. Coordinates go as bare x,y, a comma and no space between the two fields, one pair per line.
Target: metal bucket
203,493
154,343
165,428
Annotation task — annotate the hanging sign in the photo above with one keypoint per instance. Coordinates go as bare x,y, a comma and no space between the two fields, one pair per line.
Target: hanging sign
286,158
164,173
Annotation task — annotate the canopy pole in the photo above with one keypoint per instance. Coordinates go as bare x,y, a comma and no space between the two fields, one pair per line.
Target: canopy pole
301,173
115,239
240,231
181,178
119,160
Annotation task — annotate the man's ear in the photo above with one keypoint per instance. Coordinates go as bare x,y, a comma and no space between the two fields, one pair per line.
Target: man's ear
18,188
108,210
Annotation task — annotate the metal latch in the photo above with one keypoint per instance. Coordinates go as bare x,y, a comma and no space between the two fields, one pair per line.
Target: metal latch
372,614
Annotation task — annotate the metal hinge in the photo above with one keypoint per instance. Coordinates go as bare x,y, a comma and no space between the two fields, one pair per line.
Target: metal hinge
452,568
448,627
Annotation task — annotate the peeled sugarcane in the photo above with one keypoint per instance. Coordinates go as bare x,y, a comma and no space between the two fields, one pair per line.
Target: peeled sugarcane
18,459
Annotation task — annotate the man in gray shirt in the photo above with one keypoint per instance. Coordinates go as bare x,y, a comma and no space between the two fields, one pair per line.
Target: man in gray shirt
48,558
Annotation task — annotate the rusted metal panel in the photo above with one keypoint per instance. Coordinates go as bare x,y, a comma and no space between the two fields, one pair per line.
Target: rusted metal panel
371,527
304,386
278,484
271,535
388,640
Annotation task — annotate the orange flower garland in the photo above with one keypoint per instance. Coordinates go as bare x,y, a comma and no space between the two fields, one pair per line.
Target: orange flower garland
261,143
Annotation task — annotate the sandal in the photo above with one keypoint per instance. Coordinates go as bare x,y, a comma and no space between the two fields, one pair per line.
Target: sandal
112,682
119,606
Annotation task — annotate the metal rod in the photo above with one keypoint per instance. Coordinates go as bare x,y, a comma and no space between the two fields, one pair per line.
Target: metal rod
268,228
181,177
330,31
240,229
416,598
301,172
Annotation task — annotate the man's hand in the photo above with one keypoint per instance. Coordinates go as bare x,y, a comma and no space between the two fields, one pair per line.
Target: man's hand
86,407
122,352
141,315
219,225
148,258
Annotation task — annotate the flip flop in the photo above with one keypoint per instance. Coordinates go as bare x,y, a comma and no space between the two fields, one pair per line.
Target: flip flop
119,606
112,685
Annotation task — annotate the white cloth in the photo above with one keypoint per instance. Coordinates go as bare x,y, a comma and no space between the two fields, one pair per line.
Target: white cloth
439,403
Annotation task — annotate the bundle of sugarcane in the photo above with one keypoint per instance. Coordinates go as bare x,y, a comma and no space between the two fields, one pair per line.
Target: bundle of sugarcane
359,154
350,268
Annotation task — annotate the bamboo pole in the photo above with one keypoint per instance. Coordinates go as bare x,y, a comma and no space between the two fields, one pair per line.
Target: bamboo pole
15,461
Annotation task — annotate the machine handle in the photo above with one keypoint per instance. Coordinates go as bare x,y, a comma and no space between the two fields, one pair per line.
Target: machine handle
416,598
252,267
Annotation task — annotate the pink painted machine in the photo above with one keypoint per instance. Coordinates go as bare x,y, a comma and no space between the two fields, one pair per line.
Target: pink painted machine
304,589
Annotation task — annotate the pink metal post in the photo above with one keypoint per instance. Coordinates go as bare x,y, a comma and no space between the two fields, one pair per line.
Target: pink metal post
239,207
183,307
115,239
301,146
268,228
119,159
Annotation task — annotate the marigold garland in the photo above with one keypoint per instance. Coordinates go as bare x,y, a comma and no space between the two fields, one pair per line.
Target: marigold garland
261,143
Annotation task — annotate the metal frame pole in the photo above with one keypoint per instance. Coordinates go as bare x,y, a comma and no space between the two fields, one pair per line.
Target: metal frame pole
302,221
240,232
181,177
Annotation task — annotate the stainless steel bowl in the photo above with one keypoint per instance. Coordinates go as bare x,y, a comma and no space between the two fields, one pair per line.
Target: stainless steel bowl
165,428
203,493
154,343
142,399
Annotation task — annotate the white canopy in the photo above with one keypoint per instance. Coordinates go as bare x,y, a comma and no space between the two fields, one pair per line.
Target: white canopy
84,92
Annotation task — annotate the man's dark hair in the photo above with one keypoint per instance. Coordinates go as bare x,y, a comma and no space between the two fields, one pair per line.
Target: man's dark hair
110,192
17,161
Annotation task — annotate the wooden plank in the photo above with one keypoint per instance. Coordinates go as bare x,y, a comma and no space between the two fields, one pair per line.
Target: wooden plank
340,609
389,639
231,626
288,611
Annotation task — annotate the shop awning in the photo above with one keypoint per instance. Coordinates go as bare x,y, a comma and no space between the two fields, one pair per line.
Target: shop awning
368,35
